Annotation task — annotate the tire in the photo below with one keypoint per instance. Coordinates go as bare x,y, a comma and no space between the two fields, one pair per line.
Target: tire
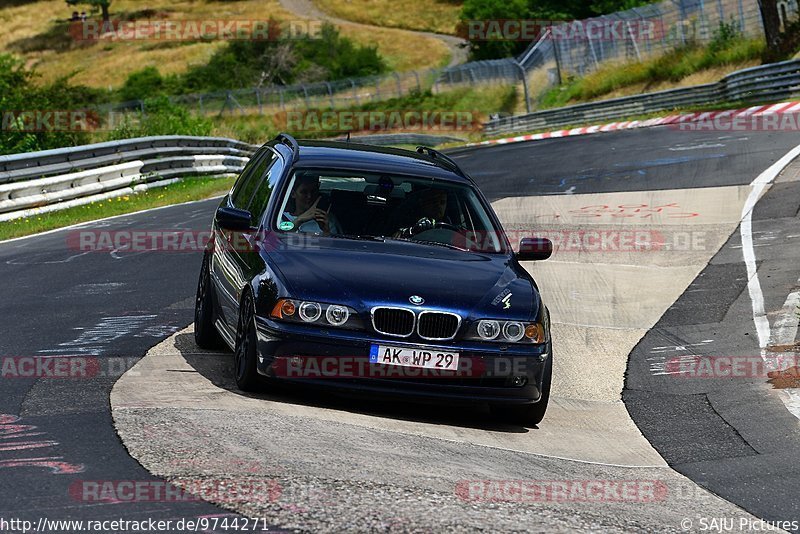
246,353
528,415
205,333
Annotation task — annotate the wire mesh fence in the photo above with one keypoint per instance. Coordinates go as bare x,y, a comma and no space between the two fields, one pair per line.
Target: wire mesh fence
561,50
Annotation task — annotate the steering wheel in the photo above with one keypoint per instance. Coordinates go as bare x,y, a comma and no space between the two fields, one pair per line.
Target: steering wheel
425,224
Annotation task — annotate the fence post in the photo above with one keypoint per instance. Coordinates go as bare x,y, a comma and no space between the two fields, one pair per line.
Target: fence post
258,99
399,86
377,90
330,93
524,84
355,92
305,95
556,55
283,104
633,40
416,75
741,16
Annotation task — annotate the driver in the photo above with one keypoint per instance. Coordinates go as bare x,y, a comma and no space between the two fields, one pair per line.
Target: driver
430,209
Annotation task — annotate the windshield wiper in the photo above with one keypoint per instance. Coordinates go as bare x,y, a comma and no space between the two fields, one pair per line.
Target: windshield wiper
436,243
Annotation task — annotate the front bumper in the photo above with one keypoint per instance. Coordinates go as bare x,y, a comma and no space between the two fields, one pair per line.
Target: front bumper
338,360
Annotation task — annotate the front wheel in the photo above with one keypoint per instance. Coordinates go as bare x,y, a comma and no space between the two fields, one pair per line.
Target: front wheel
529,414
205,333
246,353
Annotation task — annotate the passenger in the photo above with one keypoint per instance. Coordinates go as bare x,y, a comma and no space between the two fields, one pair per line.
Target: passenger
306,215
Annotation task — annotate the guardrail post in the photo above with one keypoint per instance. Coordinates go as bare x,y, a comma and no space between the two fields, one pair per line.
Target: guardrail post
524,85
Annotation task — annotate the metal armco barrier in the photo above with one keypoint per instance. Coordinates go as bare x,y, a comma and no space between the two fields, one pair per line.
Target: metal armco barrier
39,182
777,81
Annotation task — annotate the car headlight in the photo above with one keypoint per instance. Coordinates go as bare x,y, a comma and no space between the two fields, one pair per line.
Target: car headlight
315,313
501,331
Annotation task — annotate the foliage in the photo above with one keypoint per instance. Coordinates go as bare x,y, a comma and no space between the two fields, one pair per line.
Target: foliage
257,62
19,94
161,117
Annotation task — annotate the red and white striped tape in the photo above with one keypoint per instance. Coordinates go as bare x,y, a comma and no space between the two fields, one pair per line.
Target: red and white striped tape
783,107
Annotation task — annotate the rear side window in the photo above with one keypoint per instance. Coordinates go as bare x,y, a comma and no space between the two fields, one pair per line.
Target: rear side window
249,179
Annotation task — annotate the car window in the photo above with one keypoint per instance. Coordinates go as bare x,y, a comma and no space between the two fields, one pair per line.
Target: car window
263,191
248,180
360,205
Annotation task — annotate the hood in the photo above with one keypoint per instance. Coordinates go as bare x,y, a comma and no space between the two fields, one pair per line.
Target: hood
363,274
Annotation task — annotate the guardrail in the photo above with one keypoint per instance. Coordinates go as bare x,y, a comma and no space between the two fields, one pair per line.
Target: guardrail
50,180
777,81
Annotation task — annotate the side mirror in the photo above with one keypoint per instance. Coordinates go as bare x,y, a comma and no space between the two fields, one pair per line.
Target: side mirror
233,219
534,249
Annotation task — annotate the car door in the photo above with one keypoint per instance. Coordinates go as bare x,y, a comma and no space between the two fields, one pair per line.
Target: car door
226,261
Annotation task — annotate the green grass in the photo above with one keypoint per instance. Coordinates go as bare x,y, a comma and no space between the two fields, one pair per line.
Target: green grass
195,188
673,67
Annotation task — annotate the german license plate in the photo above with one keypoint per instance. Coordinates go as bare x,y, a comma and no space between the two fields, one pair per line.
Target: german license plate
424,358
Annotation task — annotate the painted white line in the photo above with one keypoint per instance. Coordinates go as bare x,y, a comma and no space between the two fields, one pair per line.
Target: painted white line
753,283
785,330
790,397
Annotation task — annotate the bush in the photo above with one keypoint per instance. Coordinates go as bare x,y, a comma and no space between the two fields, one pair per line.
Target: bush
18,94
161,117
254,62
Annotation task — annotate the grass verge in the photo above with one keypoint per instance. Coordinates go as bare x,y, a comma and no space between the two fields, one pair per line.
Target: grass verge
660,73
194,188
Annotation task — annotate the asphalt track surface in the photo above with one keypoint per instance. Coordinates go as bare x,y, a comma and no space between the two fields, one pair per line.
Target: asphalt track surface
58,300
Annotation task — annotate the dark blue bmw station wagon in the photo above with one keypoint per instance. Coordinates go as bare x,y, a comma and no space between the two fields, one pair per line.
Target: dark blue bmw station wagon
374,271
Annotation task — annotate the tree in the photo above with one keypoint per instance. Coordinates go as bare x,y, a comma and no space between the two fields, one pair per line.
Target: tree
772,23
102,4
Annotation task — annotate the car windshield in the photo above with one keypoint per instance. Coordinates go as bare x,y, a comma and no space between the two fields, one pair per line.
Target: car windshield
356,205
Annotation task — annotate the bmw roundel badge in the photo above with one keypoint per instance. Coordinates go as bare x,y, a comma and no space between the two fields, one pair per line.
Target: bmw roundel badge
416,300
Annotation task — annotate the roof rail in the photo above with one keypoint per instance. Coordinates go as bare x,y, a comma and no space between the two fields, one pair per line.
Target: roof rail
442,159
291,142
